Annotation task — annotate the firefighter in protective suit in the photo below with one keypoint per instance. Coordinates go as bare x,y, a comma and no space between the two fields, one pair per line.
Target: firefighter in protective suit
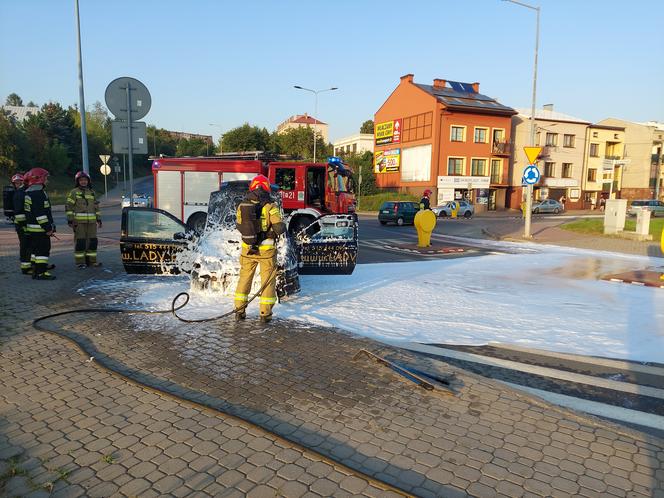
39,225
19,223
260,223
84,217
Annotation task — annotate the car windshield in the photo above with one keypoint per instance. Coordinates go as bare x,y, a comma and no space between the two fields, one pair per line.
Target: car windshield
387,205
639,203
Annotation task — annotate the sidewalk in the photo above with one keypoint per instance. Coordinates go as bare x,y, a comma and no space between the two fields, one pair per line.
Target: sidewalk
226,409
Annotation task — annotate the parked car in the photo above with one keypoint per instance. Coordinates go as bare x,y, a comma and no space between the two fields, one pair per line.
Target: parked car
656,208
399,212
466,209
140,200
548,206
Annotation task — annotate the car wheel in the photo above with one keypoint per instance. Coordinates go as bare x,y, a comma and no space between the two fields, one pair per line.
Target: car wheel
442,214
556,211
197,221
400,221
383,222
467,214
536,210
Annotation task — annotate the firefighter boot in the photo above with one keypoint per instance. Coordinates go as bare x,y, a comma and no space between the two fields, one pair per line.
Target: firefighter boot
266,318
240,315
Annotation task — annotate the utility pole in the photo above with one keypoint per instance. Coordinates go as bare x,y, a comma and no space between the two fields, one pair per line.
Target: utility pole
81,97
529,189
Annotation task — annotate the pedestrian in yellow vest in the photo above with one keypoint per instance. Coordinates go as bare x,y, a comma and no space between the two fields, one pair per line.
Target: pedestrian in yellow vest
260,223
84,217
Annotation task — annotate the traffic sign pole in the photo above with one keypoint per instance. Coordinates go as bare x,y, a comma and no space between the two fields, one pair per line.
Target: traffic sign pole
130,147
531,153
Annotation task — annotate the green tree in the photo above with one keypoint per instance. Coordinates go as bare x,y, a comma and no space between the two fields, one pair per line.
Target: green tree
367,126
31,104
362,164
14,99
246,138
60,127
193,147
299,143
8,144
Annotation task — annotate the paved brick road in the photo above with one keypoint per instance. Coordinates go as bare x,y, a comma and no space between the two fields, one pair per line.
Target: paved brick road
72,427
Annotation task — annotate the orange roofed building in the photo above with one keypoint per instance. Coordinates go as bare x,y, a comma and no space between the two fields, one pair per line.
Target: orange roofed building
446,137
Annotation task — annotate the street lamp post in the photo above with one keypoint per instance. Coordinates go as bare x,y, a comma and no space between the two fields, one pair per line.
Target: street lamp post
81,97
315,92
529,194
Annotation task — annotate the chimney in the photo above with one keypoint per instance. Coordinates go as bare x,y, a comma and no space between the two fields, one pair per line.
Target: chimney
548,107
407,78
476,87
438,83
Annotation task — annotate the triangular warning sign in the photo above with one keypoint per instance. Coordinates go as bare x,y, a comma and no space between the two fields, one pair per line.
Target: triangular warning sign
532,153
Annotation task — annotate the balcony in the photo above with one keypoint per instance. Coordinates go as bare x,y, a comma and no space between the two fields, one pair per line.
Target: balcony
655,158
501,148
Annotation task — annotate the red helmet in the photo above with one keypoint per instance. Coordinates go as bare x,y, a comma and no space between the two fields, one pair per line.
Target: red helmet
82,174
427,192
35,176
17,178
260,181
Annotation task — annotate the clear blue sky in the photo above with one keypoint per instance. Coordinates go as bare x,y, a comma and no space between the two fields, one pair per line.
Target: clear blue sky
229,62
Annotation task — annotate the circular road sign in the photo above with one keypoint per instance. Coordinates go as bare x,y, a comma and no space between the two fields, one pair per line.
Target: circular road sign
531,175
105,169
116,98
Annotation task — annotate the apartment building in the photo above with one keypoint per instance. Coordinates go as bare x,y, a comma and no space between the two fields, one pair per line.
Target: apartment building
563,141
643,174
300,120
604,163
354,144
447,137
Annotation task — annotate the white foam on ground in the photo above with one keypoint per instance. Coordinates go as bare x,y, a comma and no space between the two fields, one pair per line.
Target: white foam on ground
551,299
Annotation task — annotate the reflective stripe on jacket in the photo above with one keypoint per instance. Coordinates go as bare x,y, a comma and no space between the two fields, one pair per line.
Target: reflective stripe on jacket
37,208
82,206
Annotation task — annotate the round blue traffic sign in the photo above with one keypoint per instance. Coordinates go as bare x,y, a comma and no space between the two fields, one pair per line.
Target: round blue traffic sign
531,174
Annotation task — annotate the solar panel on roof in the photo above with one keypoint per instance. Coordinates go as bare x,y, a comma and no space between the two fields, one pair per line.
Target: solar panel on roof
456,86
467,87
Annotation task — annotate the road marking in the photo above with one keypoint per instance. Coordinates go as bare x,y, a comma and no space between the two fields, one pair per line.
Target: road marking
604,362
594,408
552,373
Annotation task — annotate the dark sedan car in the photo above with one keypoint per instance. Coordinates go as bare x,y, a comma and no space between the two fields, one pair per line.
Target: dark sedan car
399,212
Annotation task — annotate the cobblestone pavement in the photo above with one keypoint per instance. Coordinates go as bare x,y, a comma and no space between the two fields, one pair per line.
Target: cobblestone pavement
93,429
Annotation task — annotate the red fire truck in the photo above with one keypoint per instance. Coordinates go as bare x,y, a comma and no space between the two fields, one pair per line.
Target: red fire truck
182,185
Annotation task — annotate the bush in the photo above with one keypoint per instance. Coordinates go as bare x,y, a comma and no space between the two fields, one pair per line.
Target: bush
373,202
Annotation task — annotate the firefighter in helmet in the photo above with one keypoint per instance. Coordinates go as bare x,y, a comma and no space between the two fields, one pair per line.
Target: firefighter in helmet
425,202
39,226
19,223
84,217
260,223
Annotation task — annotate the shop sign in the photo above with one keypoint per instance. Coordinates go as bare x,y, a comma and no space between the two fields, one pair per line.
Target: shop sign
445,195
464,182
388,132
561,182
387,161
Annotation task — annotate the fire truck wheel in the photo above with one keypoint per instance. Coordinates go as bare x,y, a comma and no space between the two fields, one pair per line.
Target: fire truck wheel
196,222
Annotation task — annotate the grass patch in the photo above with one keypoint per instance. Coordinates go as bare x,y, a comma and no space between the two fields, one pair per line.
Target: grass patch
595,226
108,458
373,202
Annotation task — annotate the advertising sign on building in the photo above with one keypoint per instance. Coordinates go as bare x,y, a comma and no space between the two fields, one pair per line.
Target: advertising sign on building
387,161
463,182
388,132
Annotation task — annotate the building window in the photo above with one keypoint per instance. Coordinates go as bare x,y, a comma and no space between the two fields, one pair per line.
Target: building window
354,148
592,175
417,127
285,178
538,138
567,170
480,135
455,166
615,137
552,139
594,150
458,133
595,134
498,135
568,140
496,170
548,169
478,167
